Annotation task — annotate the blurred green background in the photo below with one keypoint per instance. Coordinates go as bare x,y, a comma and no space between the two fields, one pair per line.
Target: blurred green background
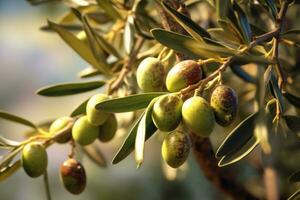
30,59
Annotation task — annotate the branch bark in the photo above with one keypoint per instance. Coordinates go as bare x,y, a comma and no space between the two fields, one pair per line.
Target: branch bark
202,147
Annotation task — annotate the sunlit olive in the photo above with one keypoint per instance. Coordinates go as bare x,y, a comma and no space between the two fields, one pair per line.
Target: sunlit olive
84,132
34,159
60,124
176,148
151,75
108,130
166,113
96,117
73,177
183,74
224,103
198,116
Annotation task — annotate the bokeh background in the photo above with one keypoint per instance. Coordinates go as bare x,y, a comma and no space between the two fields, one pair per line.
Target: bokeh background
30,59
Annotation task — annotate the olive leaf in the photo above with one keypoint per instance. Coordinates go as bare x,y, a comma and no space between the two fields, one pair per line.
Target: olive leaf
128,145
77,45
68,27
238,137
9,157
9,170
292,122
95,46
293,34
228,27
237,70
294,100
277,92
222,8
222,35
196,31
296,195
107,6
64,89
95,154
128,103
141,133
237,155
109,48
295,177
80,109
17,119
38,2
89,72
128,36
4,142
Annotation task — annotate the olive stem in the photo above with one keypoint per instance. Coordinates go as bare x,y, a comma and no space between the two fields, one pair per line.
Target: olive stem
47,187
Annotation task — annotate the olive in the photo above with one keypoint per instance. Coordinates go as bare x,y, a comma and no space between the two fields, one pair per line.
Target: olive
151,75
175,148
84,132
183,74
72,175
198,116
58,125
34,159
108,130
224,103
166,113
96,117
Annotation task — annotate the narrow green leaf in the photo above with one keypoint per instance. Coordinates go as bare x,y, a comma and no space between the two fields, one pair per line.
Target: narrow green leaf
95,46
277,93
240,153
89,72
238,137
17,119
196,31
95,154
222,8
108,47
293,123
77,45
9,157
294,100
109,9
80,109
128,36
128,145
7,142
225,36
295,177
296,195
237,70
230,28
64,89
128,103
9,170
38,2
141,133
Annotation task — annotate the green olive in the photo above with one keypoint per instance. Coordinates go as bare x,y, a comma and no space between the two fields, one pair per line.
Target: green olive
224,103
183,74
73,177
151,75
198,116
84,132
166,113
108,130
60,124
34,159
175,149
96,117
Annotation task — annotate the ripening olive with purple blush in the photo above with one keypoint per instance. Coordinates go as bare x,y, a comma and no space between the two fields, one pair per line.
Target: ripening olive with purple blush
224,103
183,74
72,175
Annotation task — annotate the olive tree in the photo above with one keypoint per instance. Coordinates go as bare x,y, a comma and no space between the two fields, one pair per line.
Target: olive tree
186,69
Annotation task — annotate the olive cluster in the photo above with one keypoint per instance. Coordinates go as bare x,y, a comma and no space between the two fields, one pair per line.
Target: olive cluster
86,129
174,114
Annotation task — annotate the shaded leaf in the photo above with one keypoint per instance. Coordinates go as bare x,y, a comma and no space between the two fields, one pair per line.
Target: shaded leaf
109,48
296,195
6,142
231,29
293,35
38,2
9,170
292,99
89,72
128,103
222,8
77,45
236,69
225,36
17,119
293,123
277,93
64,89
295,177
240,153
128,145
141,133
196,31
9,157
107,6
81,109
94,152
238,137
128,36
